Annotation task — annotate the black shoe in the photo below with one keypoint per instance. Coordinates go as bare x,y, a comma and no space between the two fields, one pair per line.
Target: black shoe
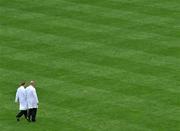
28,120
17,119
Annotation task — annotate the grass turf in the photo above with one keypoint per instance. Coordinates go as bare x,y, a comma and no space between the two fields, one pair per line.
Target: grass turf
107,65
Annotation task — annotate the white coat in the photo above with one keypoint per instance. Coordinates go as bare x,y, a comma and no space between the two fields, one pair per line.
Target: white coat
32,99
21,98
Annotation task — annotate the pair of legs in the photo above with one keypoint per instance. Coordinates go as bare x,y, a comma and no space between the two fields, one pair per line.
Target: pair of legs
32,114
21,113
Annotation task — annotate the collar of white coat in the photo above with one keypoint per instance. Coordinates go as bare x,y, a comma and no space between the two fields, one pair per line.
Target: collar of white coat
21,87
30,86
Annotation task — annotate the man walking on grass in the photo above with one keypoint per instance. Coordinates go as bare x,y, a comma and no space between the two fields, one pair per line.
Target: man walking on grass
32,102
21,99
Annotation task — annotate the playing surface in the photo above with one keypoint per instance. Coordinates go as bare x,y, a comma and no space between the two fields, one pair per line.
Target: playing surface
99,65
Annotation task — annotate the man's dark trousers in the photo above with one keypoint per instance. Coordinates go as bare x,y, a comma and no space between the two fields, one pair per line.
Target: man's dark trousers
32,114
22,112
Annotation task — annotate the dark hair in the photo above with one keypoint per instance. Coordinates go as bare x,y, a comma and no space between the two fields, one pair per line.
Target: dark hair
22,83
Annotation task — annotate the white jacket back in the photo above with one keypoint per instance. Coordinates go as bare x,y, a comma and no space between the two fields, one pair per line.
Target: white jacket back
21,98
32,99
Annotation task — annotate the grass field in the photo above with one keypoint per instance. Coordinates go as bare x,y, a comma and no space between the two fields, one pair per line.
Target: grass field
99,65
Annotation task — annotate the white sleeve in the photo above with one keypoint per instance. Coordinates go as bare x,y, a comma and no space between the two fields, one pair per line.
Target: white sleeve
17,96
35,95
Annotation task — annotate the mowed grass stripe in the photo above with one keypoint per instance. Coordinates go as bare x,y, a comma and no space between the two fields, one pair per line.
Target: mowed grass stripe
108,52
53,23
139,56
81,4
70,90
28,17
141,45
129,6
103,12
86,33
123,20
164,52
58,107
103,71
160,4
121,85
52,26
122,34
65,102
158,29
50,104
109,87
97,82
102,59
57,63
123,99
62,120
123,16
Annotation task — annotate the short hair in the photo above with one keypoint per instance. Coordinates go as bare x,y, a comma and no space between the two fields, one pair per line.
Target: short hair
23,83
32,82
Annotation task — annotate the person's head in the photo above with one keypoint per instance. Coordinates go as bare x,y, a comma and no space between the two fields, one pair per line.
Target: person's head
23,83
32,83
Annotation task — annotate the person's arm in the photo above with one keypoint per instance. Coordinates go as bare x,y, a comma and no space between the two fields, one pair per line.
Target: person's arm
35,95
17,96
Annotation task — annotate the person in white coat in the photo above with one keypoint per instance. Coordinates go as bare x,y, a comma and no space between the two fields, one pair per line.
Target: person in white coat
21,99
32,101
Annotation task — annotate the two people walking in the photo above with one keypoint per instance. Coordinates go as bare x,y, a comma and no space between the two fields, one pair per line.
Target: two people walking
28,101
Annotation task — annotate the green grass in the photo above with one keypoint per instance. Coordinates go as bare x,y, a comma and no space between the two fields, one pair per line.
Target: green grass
99,65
